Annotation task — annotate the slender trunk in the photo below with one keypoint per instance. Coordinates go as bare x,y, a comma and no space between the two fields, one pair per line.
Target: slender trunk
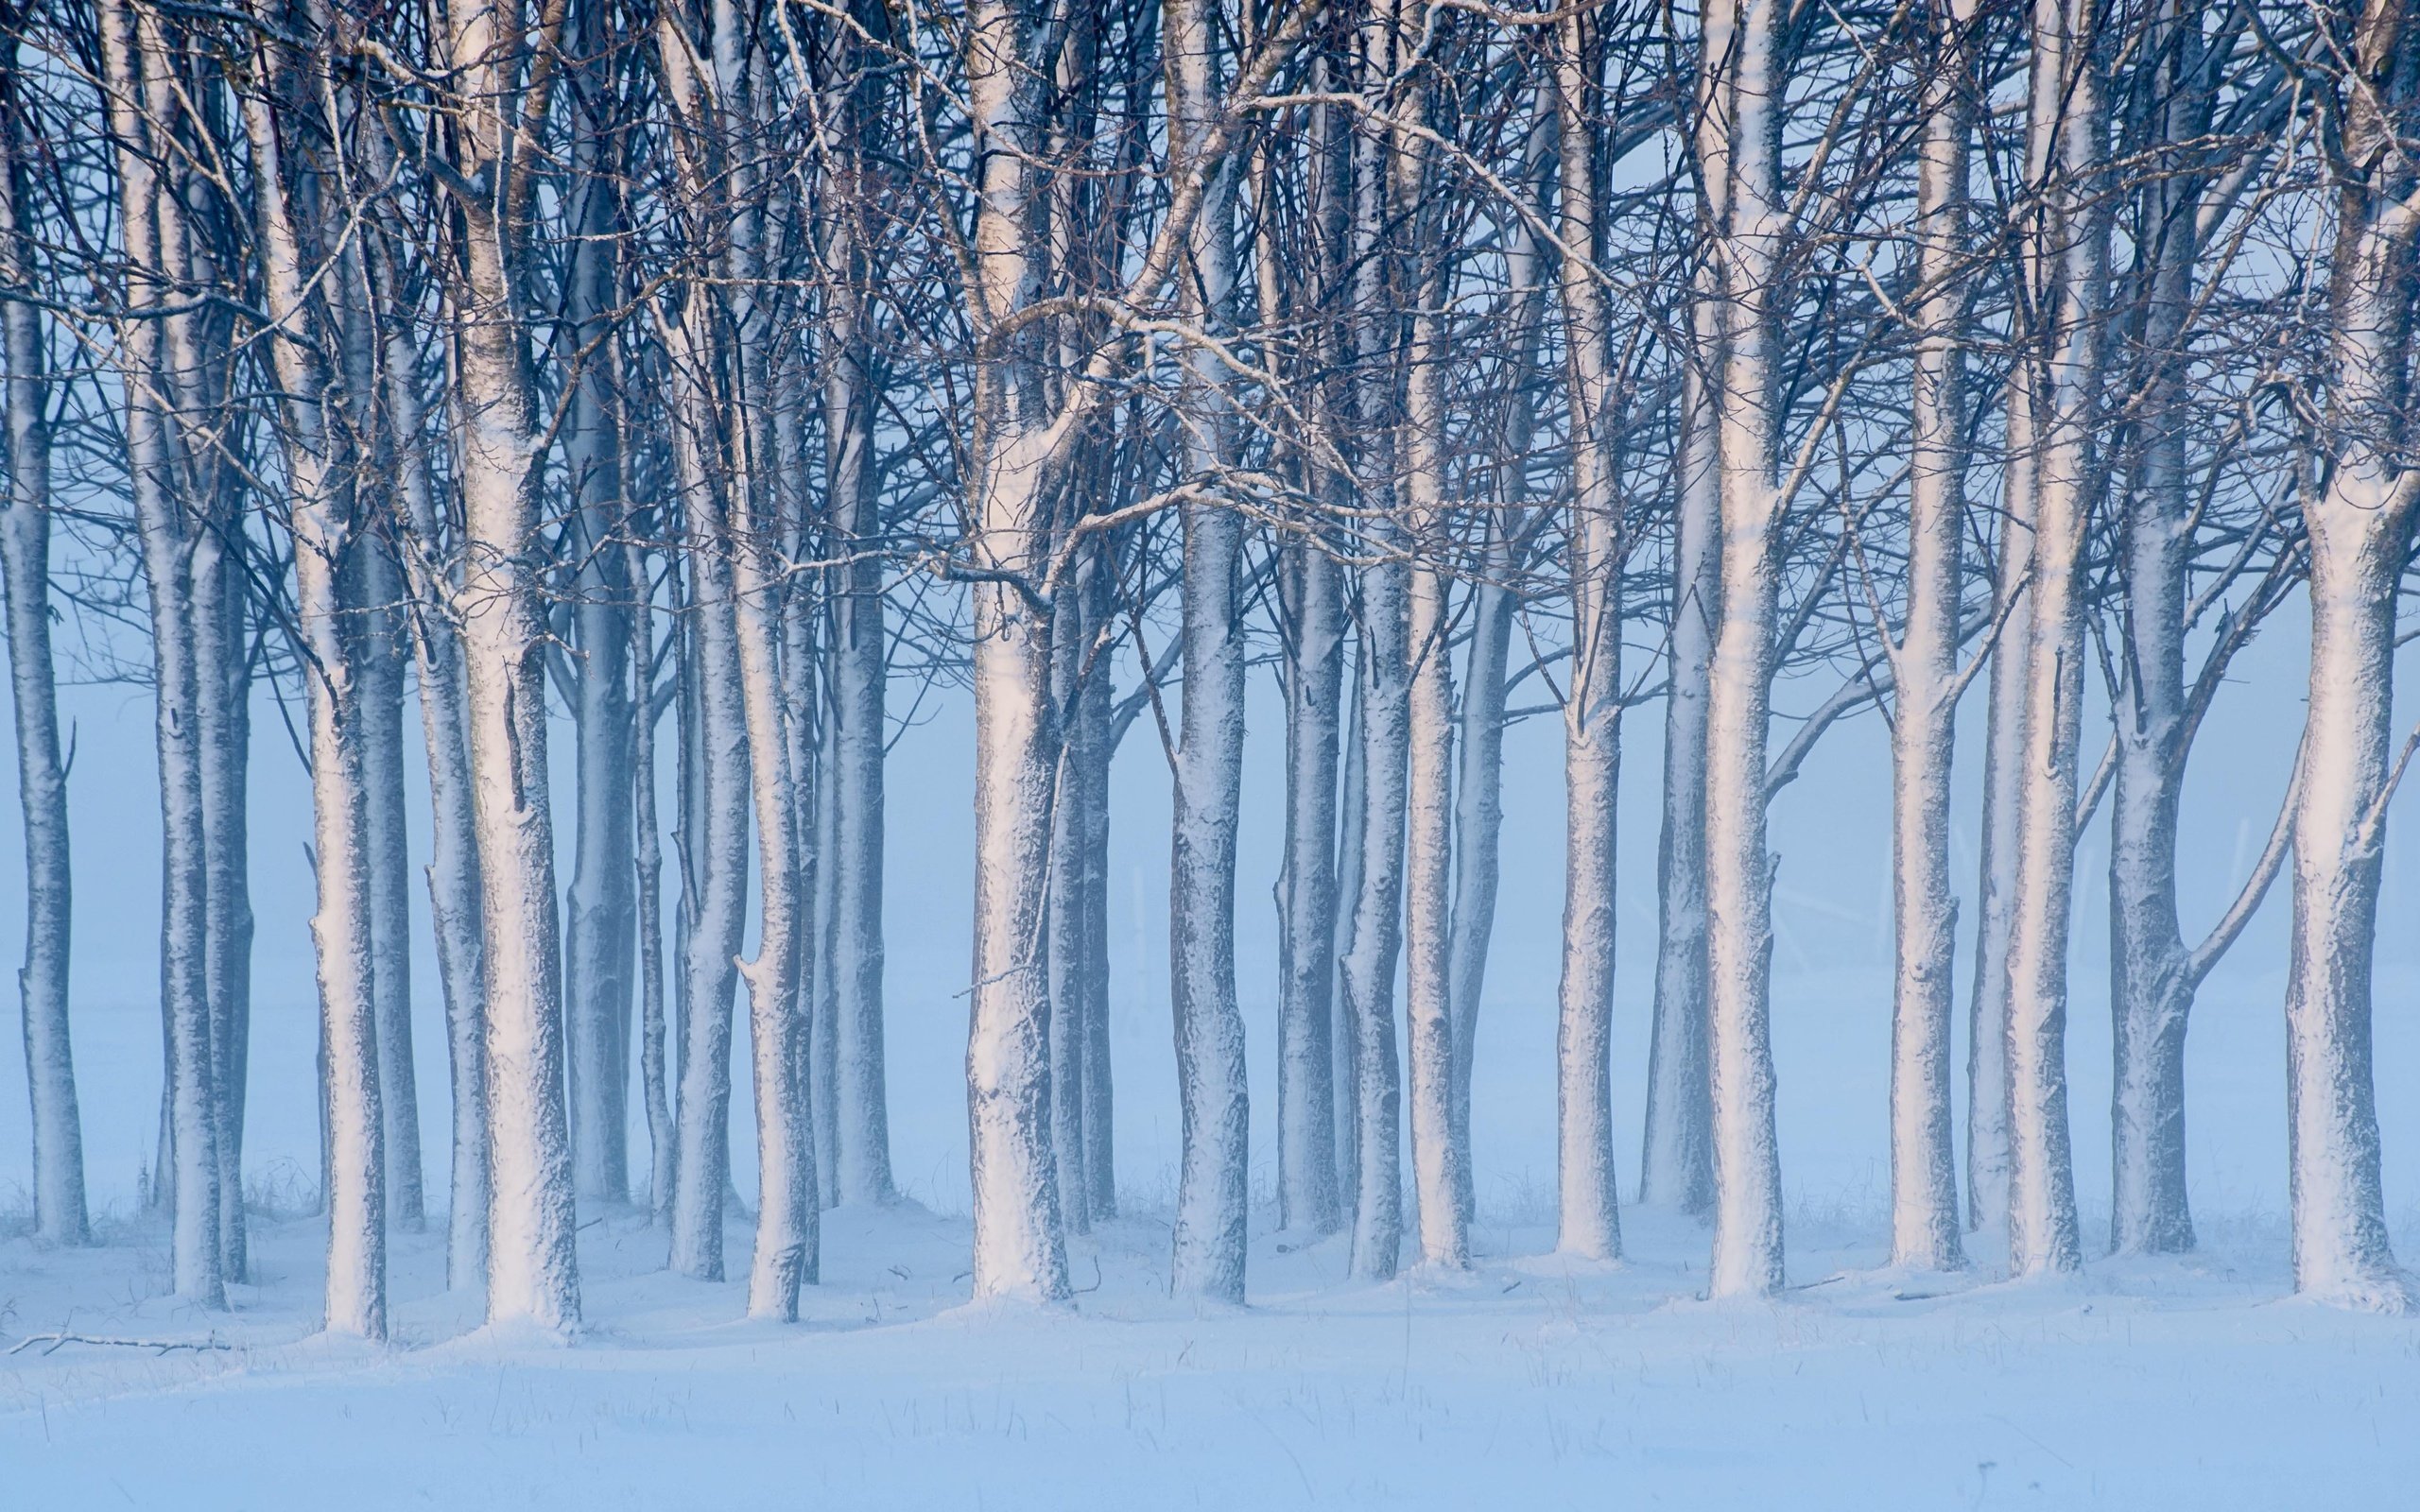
718,842
343,929
2064,253
453,873
1094,746
1923,1185
1064,905
152,227
861,667
41,774
532,1265
1676,1156
1211,1197
647,852
1352,803
1987,1088
2360,539
1306,1122
1589,1212
787,1208
378,653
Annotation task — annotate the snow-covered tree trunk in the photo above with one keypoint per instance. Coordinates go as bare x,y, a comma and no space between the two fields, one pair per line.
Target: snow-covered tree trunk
343,927
861,668
1382,685
600,907
787,1208
378,660
1307,1172
1019,1249
2063,254
141,101
648,857
2361,528
1208,1253
1064,908
1352,824
1096,744
453,873
1742,56
1987,1091
1925,1221
41,774
532,1267
1676,1156
717,843
1589,1216
2151,980
222,672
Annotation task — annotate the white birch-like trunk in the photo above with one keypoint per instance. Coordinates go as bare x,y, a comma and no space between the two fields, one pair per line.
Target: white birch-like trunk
861,668
1589,1217
647,856
1306,1123
600,907
785,1254
453,873
58,1151
343,927
2361,536
1208,1244
1019,1249
1676,1154
2065,251
1925,1221
718,842
378,655
532,1266
1064,910
1741,49
136,85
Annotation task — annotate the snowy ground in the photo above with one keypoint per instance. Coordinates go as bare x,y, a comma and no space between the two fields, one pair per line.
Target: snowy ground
1527,1383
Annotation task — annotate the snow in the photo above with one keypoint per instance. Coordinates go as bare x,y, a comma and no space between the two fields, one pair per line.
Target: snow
2140,1383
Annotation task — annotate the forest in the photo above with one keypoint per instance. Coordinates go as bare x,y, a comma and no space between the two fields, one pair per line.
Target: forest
676,402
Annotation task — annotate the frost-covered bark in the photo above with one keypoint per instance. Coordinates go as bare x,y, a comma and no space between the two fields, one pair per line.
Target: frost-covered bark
717,839
785,1253
58,1148
1019,1250
343,927
454,863
1987,1104
1676,1156
1306,1167
648,857
1066,913
2065,252
155,348
1741,58
532,1269
2361,528
1589,1217
1210,1218
859,670
599,909
1096,743
1925,1221
378,655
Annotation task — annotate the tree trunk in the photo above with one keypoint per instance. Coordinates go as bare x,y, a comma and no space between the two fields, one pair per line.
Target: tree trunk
136,82
41,774
1923,1185
1743,54
2065,251
1589,1221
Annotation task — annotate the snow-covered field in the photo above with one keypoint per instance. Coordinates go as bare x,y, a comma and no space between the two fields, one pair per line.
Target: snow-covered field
1525,1384
1521,1387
